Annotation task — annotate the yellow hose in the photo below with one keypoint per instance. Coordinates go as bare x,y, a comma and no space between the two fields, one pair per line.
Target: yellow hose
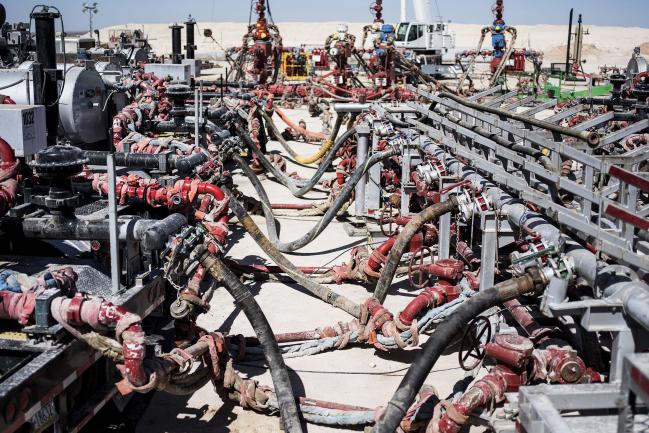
325,146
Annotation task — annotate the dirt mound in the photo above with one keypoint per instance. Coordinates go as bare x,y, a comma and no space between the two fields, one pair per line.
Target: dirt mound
559,52
644,48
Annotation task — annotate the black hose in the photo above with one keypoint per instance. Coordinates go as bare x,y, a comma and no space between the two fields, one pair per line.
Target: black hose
244,299
318,290
444,335
297,187
184,164
396,122
403,241
592,138
332,211
534,153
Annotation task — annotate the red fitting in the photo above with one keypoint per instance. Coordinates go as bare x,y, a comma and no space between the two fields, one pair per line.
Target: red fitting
513,350
8,190
445,269
439,294
563,365
377,258
99,315
133,351
8,162
488,389
380,315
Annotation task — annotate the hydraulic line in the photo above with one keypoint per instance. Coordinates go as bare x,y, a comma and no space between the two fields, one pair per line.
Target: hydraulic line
297,128
184,164
331,213
534,153
533,282
278,134
318,290
326,146
300,187
592,138
403,241
243,297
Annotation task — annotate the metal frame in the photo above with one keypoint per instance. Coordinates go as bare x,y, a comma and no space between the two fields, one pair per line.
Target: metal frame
534,183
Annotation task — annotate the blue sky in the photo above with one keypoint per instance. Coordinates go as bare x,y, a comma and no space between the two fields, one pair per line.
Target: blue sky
111,12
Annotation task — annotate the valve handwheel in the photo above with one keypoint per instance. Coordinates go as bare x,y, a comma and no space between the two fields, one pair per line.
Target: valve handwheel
417,276
387,222
476,335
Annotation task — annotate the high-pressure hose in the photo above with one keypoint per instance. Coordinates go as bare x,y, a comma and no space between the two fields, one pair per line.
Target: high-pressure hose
297,187
277,133
545,161
326,146
533,282
403,240
318,290
331,213
242,296
592,138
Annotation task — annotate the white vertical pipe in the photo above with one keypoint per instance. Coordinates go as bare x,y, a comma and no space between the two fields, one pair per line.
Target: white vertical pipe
196,120
404,11
112,225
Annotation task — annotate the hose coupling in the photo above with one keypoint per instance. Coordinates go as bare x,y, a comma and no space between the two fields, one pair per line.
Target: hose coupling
471,206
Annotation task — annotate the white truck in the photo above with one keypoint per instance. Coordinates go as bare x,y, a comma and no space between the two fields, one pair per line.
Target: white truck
426,41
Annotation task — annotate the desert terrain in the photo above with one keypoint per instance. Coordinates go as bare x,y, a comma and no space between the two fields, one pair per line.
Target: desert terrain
602,46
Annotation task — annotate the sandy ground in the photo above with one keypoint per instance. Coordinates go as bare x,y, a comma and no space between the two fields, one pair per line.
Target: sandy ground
604,45
358,375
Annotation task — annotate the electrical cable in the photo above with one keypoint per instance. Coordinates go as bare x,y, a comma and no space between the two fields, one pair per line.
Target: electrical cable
12,84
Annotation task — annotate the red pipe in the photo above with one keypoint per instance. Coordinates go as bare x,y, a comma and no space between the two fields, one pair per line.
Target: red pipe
98,314
213,190
291,206
8,162
378,257
430,297
8,190
133,189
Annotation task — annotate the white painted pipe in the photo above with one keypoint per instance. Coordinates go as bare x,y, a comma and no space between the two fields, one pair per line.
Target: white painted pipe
404,11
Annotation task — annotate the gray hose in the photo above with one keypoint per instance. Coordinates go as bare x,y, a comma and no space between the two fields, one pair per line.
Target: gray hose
318,290
297,187
281,381
328,216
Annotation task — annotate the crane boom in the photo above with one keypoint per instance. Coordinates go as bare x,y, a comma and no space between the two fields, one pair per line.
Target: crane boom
422,11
